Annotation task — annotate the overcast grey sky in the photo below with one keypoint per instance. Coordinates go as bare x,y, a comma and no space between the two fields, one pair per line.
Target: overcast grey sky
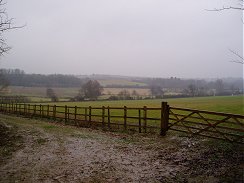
157,38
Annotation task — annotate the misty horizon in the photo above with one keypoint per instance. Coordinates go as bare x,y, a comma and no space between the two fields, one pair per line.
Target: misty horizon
126,38
91,76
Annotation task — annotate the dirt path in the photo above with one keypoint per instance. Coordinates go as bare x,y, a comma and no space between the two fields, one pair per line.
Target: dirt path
54,153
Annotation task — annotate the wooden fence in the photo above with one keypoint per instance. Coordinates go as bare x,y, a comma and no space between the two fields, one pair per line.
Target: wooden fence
229,127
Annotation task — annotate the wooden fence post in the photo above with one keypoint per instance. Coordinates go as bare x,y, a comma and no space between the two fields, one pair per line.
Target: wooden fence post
86,114
108,117
54,112
145,118
24,109
29,110
12,107
34,110
125,117
103,116
48,110
76,123
90,113
43,113
139,115
68,117
65,113
164,118
40,110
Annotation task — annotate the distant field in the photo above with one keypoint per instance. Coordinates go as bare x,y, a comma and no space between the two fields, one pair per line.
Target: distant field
41,91
122,82
231,104
115,91
227,104
67,92
38,94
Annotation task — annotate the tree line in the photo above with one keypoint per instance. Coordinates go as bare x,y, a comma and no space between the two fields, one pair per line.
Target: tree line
16,77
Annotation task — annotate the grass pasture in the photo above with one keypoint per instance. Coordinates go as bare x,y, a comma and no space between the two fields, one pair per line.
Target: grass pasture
186,114
226,104
231,104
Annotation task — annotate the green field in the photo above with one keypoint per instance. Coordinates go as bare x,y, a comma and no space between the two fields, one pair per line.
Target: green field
151,117
122,82
224,104
227,104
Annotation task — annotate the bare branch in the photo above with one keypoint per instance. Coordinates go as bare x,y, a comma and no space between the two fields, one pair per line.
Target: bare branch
238,61
226,8
241,59
238,55
6,24
238,7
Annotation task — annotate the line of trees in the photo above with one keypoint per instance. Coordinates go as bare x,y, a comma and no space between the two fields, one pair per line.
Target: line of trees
16,77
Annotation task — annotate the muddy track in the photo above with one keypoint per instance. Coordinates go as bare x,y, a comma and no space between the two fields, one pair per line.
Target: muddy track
85,155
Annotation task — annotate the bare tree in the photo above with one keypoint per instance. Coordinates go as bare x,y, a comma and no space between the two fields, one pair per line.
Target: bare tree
51,94
91,90
239,6
219,86
156,91
3,82
192,90
135,94
124,95
6,24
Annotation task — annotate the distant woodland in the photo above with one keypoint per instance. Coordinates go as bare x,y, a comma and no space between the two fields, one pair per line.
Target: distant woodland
16,77
158,86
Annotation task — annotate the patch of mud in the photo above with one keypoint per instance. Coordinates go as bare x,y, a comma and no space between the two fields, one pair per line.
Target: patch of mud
95,156
205,161
10,141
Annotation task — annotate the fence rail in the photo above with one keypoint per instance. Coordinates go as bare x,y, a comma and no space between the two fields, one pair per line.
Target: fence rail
225,126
